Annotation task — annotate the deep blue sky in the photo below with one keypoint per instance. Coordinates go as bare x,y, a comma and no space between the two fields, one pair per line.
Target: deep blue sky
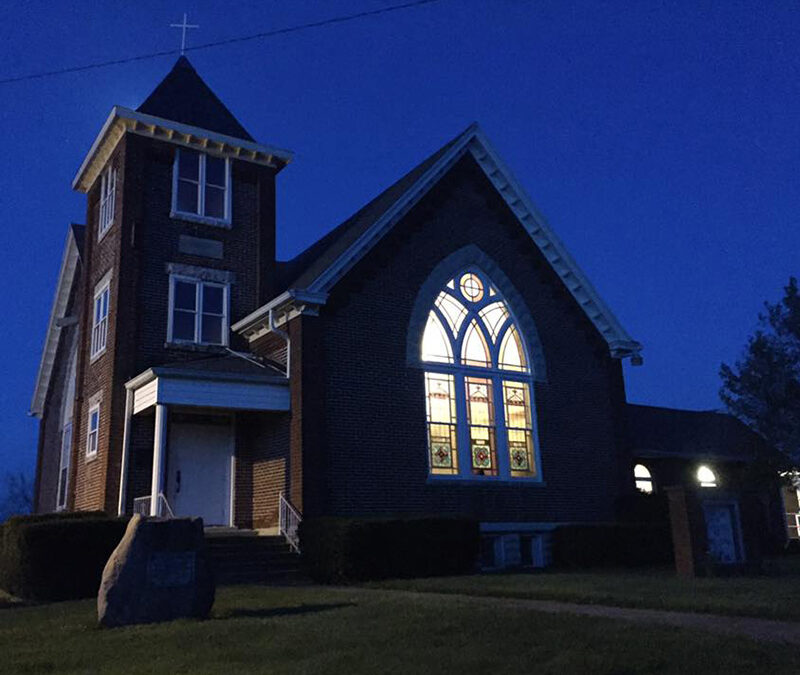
659,139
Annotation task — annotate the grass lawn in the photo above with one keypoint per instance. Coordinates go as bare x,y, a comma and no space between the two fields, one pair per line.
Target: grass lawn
318,630
776,596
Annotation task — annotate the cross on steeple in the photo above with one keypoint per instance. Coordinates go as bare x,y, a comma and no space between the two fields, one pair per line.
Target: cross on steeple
183,26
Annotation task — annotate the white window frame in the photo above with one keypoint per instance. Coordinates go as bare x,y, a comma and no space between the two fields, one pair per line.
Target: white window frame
92,437
199,283
99,339
108,189
63,465
199,216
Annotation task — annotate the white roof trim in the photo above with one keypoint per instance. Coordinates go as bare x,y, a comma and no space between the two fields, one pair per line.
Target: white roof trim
123,119
289,303
66,277
474,141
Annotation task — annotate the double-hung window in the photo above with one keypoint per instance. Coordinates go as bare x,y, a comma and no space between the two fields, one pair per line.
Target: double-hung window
201,187
108,187
93,430
100,318
63,470
479,398
198,311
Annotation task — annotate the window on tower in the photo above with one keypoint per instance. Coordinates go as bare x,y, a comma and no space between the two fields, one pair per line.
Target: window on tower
100,318
198,311
201,187
478,391
108,188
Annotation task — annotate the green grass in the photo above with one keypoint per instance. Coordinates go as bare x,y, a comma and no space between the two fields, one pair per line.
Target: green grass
317,630
776,596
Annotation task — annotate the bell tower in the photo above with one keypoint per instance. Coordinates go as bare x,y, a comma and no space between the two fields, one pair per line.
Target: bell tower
179,245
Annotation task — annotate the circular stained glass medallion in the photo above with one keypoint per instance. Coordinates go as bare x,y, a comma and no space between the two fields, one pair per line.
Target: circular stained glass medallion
471,287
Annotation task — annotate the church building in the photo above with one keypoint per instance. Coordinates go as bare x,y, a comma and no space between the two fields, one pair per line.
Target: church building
439,352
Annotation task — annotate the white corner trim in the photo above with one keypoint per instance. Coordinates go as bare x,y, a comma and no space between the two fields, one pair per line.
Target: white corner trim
122,120
474,141
66,277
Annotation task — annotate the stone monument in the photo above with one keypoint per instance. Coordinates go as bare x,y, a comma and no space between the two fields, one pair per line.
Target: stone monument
159,571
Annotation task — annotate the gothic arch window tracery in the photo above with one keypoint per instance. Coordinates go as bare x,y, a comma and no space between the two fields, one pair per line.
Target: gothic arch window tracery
479,400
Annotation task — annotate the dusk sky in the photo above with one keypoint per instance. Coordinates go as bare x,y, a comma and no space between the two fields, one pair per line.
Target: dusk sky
659,139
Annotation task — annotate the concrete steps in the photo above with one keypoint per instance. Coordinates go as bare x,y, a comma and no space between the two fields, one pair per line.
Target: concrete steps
247,558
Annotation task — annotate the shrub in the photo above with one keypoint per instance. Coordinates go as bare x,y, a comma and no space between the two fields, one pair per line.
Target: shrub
57,556
613,545
353,549
643,508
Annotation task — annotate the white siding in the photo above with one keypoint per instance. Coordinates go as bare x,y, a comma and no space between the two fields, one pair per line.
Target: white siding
212,394
145,396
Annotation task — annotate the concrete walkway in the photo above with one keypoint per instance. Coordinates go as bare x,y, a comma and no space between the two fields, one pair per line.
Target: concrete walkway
764,630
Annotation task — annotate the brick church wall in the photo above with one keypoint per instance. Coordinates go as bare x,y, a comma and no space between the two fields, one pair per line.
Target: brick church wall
139,245
261,467
374,442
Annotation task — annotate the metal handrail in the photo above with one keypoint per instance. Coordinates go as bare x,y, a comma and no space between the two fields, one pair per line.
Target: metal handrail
289,519
791,516
141,505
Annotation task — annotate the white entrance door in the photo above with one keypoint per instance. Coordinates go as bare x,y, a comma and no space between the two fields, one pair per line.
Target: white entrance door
199,471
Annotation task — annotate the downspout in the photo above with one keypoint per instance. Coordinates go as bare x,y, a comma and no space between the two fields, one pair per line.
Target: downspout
285,336
126,442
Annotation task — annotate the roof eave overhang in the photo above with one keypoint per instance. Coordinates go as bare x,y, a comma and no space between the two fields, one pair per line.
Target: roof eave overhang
188,374
278,311
620,343
66,277
122,120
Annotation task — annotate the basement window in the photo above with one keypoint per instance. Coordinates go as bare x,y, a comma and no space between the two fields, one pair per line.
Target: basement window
201,187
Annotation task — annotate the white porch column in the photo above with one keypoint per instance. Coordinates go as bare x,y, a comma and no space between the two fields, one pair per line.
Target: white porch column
159,459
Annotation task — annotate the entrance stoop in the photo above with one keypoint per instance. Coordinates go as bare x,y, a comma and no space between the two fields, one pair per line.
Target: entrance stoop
249,557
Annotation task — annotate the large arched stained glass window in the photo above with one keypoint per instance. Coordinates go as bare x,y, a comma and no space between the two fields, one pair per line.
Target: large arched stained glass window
477,384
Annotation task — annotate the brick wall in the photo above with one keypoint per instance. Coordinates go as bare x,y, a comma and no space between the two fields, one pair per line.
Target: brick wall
261,467
372,403
139,245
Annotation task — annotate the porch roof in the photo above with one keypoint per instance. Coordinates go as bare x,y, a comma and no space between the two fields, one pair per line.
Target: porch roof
232,382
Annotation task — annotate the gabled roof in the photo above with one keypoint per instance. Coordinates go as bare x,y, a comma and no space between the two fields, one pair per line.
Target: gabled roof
73,248
657,432
183,96
319,267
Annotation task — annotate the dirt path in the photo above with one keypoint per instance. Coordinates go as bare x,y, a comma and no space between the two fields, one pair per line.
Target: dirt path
764,630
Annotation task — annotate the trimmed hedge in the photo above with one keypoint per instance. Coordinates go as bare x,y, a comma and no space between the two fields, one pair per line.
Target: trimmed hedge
642,508
612,545
337,550
57,556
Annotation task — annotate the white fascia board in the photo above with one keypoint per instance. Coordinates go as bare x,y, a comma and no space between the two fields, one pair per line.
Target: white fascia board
326,280
101,137
474,141
66,276
177,373
292,296
134,118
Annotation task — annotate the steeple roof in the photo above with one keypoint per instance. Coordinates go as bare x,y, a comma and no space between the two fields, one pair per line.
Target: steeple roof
182,96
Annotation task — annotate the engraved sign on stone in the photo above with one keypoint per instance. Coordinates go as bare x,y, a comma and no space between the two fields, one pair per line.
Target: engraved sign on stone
170,569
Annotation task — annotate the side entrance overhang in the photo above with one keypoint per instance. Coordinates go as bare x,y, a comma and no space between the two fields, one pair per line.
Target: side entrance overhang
201,454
